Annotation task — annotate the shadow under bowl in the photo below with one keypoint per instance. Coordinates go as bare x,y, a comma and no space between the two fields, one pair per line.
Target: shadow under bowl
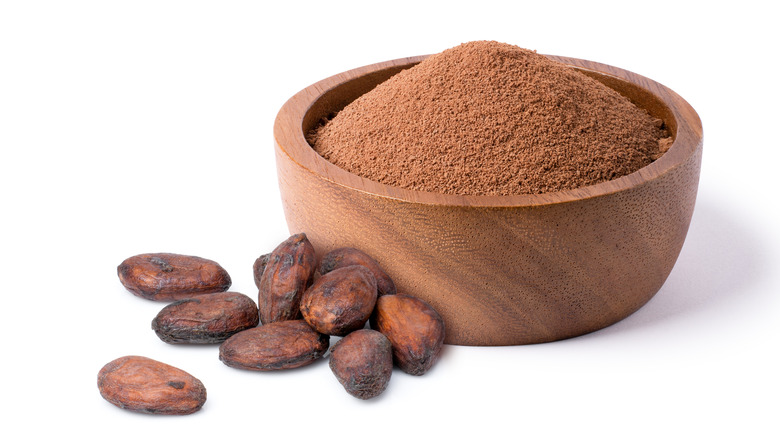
501,270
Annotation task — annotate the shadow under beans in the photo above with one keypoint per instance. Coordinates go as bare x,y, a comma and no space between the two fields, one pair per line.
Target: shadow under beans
720,259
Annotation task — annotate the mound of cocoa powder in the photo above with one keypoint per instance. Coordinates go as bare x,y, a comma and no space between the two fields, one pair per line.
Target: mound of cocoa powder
487,118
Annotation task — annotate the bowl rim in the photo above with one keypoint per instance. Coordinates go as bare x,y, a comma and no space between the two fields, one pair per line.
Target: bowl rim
290,140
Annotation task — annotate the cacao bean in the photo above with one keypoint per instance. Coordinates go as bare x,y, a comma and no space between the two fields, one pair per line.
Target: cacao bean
205,319
413,327
362,362
339,258
286,275
274,346
140,384
259,267
171,277
340,301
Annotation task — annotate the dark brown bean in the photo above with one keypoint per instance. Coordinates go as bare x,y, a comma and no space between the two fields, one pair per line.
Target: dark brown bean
340,301
205,319
274,346
171,277
341,257
259,267
286,275
413,327
140,384
363,363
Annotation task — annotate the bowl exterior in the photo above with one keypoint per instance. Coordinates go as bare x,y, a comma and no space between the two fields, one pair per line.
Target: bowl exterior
502,270
512,275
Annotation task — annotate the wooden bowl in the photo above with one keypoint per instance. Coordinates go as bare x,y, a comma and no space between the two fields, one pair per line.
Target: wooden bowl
501,270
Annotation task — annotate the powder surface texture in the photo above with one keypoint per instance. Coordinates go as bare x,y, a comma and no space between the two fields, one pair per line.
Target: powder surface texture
487,118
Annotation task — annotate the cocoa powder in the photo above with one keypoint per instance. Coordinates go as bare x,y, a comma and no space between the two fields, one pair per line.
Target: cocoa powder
487,118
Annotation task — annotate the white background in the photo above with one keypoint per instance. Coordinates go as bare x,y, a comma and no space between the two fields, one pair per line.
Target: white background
142,126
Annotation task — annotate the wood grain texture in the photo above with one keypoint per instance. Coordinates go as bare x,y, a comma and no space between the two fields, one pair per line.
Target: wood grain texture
501,270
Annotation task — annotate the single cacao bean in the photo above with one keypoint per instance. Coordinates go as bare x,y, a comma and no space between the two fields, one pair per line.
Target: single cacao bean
341,257
362,362
414,328
145,385
340,301
171,277
259,267
286,275
205,319
275,346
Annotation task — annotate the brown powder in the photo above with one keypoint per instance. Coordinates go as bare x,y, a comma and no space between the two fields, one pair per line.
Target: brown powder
486,118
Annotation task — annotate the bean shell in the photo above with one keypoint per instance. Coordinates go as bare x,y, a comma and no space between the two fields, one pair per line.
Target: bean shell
286,274
362,362
205,319
341,257
276,346
259,267
340,301
171,277
140,384
414,328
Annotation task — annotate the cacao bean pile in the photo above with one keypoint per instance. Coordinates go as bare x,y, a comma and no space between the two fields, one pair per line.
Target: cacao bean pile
301,303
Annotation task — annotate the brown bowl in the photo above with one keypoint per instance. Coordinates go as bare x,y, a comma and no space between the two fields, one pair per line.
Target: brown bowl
502,270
